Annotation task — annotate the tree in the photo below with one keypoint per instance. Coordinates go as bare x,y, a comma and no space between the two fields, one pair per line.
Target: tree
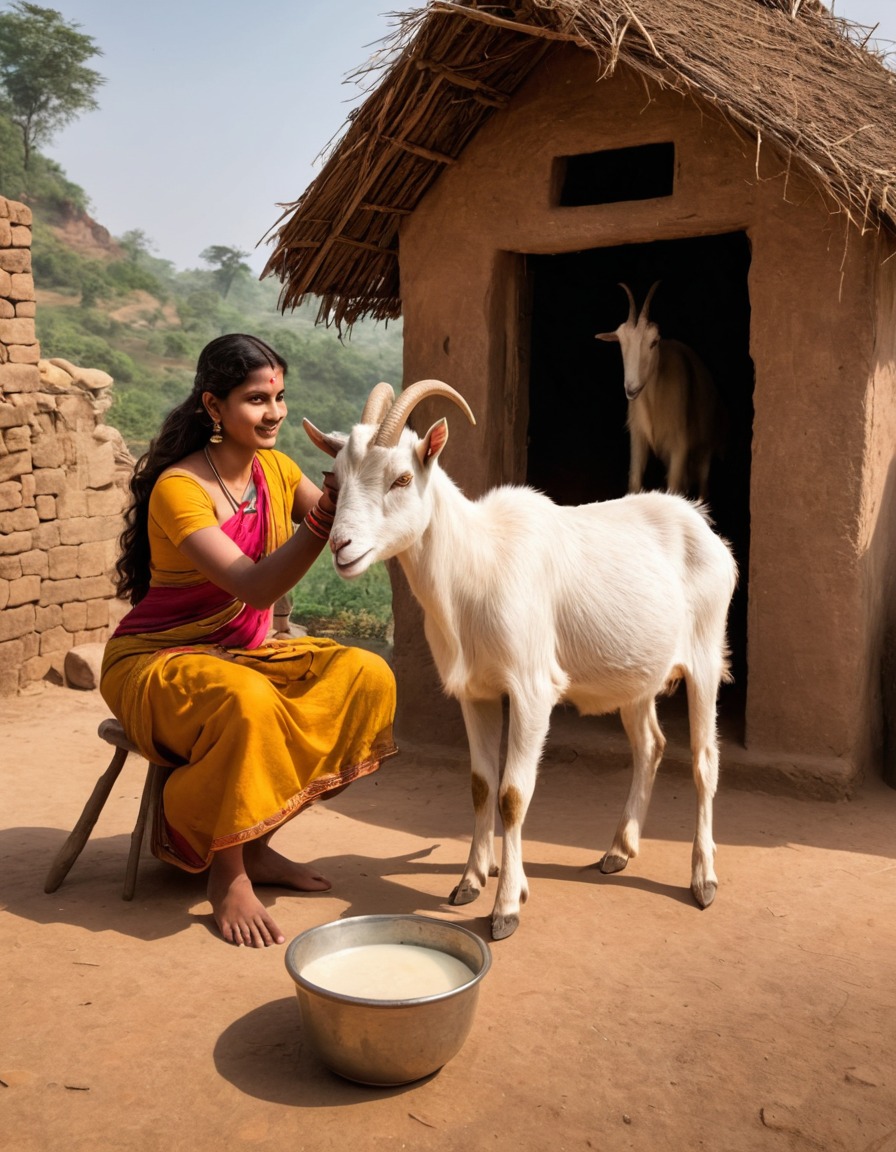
136,244
92,286
229,262
44,83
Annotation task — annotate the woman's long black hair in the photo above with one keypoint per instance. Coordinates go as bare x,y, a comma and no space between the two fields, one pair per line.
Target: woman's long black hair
223,364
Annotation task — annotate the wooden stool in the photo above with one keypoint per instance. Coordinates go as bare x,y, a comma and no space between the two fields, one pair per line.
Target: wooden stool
113,733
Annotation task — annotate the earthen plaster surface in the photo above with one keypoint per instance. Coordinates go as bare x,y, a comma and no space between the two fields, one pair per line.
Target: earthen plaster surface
814,628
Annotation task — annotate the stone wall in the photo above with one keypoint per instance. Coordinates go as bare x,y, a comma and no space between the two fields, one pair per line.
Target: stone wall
63,486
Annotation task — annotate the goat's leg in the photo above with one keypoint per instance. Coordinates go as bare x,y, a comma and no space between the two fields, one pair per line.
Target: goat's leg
703,466
484,720
702,694
528,726
638,452
647,741
677,475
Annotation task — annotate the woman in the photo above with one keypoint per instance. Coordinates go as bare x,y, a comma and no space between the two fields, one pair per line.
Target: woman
254,729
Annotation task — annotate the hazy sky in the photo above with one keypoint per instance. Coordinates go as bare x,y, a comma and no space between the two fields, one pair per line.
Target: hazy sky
215,111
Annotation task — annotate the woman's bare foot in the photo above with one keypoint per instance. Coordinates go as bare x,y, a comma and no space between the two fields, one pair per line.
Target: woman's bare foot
265,866
239,914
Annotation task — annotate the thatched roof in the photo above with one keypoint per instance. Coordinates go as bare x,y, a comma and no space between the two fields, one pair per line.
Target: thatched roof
785,71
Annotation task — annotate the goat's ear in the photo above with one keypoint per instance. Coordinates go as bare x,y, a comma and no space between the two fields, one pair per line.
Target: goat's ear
610,336
433,442
331,444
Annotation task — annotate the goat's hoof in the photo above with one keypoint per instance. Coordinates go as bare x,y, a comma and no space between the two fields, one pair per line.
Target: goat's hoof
609,864
705,893
504,926
464,893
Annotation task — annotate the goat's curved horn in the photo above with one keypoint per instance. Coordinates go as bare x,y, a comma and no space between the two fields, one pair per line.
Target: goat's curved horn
632,310
646,306
397,416
378,403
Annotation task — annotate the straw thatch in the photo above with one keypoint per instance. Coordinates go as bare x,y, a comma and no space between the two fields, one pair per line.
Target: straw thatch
786,72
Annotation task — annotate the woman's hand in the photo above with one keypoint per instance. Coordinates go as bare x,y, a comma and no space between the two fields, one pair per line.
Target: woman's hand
330,493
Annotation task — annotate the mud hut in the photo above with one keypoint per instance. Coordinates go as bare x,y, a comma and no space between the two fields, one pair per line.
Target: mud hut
511,165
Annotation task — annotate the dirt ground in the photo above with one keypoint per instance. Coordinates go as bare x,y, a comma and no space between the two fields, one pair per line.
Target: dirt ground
618,1017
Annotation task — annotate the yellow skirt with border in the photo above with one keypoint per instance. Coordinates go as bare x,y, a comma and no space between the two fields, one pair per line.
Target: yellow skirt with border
253,736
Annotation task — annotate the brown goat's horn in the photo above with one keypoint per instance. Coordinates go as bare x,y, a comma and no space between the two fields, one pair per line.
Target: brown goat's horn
646,306
632,311
378,403
397,416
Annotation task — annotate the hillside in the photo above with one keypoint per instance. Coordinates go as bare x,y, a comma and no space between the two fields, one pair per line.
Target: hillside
106,302
76,230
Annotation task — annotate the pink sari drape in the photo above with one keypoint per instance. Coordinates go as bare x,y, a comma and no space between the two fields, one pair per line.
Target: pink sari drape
164,608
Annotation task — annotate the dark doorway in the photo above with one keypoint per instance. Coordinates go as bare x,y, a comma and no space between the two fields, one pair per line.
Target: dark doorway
577,440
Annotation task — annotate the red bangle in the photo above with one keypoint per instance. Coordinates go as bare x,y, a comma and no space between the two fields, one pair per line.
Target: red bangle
318,522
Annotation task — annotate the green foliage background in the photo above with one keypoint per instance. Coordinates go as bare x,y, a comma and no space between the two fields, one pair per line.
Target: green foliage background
144,322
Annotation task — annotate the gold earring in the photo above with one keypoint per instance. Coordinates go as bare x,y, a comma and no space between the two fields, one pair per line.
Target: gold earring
216,436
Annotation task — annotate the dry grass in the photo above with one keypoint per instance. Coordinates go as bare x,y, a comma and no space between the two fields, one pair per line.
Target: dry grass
786,72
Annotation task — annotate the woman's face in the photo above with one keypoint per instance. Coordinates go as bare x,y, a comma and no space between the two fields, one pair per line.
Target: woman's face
252,413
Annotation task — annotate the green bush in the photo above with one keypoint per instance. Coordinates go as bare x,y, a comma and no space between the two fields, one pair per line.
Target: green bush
92,287
137,415
364,603
177,344
174,386
347,622
99,323
127,276
54,265
198,312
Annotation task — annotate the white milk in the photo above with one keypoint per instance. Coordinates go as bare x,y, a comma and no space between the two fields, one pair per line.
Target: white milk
388,972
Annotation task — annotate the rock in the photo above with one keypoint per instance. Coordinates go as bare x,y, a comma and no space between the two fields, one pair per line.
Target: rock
105,433
65,365
82,666
54,375
95,379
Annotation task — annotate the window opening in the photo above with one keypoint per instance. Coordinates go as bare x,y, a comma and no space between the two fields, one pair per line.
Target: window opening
617,174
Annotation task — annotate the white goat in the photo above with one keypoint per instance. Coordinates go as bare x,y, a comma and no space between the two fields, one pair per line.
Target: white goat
673,406
604,605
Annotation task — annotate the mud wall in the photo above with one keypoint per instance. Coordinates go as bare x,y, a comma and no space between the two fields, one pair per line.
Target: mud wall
813,628
878,540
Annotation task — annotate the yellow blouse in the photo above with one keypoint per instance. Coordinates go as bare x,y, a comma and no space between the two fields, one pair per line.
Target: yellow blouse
180,506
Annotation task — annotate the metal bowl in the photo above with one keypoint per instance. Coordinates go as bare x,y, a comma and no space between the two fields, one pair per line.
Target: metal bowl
387,1042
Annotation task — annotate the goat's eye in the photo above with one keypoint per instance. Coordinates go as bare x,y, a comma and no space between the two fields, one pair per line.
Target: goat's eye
403,480
654,342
